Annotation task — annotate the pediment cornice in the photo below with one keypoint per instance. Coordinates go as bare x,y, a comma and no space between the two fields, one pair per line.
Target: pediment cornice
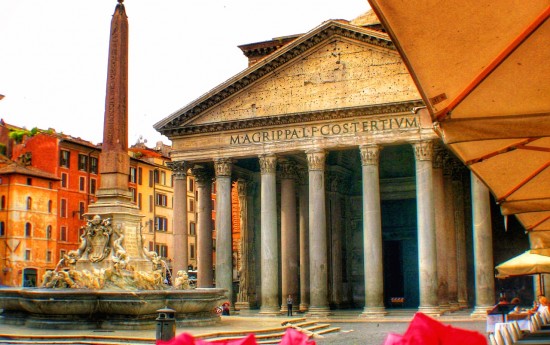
175,124
289,119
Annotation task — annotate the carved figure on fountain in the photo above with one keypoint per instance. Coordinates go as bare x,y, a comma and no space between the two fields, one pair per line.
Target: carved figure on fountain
182,281
107,264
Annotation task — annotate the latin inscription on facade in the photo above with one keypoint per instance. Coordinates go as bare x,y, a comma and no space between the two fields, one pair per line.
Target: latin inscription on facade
340,128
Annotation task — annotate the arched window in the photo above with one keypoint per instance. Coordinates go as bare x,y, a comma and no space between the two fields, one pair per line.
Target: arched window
28,230
49,232
50,206
2,229
29,203
3,202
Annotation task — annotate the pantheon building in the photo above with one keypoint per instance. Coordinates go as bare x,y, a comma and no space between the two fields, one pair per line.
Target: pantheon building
347,198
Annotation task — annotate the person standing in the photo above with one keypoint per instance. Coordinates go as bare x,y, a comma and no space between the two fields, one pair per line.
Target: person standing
289,305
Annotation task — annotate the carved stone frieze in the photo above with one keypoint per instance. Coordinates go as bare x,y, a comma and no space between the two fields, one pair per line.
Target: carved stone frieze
423,150
268,164
370,154
179,169
222,167
318,116
316,160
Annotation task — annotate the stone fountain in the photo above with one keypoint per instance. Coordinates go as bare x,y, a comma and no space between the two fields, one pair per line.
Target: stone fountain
111,281
98,286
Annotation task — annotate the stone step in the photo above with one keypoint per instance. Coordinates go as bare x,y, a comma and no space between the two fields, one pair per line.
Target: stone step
293,321
316,327
329,330
270,336
240,334
304,324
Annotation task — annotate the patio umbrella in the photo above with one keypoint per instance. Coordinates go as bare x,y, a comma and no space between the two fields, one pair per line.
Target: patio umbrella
482,70
525,264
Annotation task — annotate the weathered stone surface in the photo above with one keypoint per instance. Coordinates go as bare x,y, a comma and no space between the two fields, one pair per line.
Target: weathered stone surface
338,73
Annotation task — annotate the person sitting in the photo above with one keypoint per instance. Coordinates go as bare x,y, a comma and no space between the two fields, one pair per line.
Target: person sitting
541,306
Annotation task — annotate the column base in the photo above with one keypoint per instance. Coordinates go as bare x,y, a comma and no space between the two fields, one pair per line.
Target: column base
463,304
270,310
242,306
454,306
480,312
303,307
429,310
373,312
445,308
318,311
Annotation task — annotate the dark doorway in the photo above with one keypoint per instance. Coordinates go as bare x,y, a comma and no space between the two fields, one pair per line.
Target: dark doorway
393,274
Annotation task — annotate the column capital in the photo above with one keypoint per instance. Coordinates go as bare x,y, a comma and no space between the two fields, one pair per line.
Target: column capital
288,168
370,154
201,174
222,167
316,160
423,150
268,163
179,169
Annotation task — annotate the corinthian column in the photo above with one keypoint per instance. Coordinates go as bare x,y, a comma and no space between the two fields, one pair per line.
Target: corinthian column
203,179
289,235
461,256
372,232
317,234
440,229
179,170
303,199
483,248
224,242
427,253
243,302
449,211
335,245
269,239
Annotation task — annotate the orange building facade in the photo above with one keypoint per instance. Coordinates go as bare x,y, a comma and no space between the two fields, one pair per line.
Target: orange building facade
28,217
64,183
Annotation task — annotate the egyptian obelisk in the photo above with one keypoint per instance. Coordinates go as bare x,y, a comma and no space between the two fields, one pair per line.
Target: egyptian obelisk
113,196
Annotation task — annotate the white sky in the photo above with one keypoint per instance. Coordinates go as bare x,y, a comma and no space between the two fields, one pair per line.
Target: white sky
53,55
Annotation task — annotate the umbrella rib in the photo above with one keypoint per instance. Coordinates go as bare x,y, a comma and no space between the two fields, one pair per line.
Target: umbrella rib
522,183
445,112
531,227
511,147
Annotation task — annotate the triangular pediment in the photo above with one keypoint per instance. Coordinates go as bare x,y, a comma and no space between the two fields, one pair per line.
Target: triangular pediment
334,67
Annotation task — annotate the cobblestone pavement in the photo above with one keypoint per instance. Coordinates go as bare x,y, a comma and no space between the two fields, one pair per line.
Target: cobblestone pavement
354,330
375,333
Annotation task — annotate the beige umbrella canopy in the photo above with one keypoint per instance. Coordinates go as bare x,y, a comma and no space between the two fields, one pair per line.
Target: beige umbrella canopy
524,265
483,71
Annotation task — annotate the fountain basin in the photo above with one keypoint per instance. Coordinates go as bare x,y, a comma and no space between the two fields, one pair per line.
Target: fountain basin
106,309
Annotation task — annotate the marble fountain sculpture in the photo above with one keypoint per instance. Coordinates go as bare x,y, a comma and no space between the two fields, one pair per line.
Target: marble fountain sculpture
99,286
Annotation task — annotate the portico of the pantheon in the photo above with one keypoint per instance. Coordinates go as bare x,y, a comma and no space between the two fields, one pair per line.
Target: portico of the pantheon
346,196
